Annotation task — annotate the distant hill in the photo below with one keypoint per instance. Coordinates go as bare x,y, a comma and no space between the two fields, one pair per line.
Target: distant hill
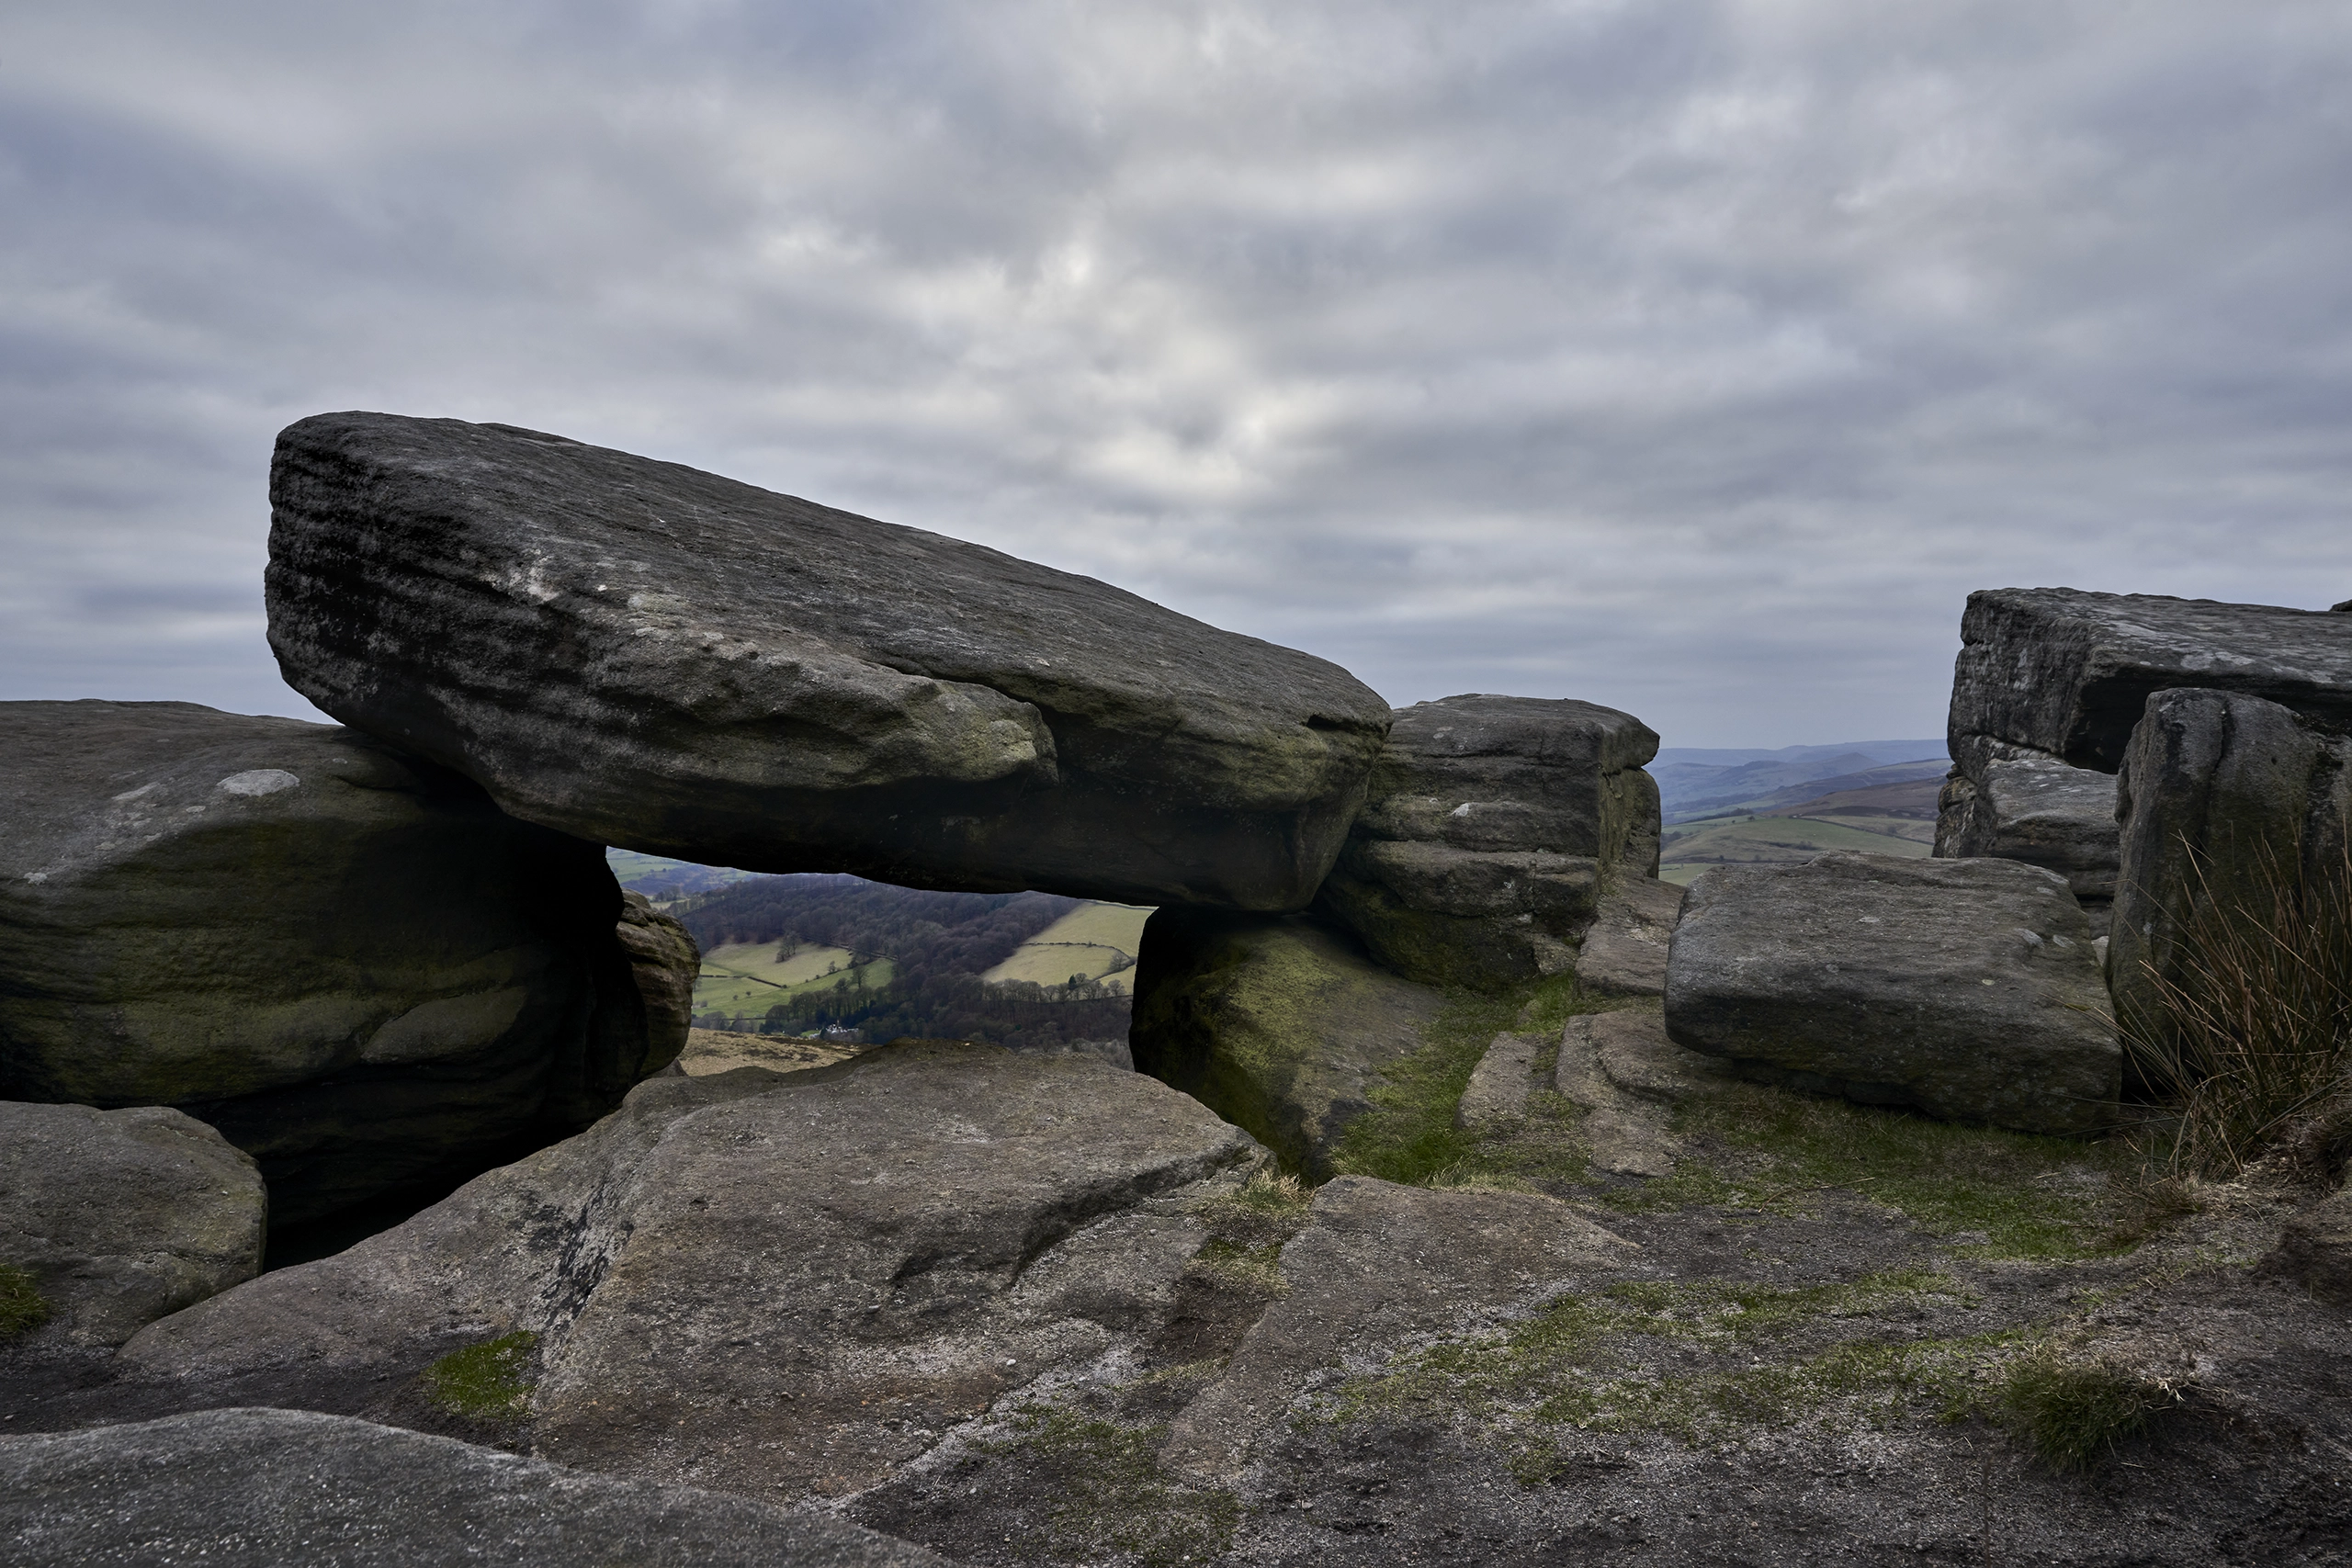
662,880
1700,781
1868,812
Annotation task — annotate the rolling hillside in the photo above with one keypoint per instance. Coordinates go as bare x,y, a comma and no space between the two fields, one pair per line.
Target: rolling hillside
1875,817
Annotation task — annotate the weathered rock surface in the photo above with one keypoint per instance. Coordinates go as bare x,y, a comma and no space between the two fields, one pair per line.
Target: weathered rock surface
1967,988
1492,829
2226,802
2067,673
1627,1074
777,1284
2015,803
1500,1083
645,655
664,964
2315,1249
1378,1265
123,1216
278,1488
346,960
1280,1026
1623,953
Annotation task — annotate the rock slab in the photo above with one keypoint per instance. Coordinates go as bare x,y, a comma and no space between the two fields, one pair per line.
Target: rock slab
279,1488
2014,803
1623,953
2228,803
1969,988
2067,673
1282,1026
345,959
124,1216
1492,829
782,1285
645,655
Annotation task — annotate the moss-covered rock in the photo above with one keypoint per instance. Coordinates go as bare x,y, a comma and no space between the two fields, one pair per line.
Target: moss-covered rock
1279,1024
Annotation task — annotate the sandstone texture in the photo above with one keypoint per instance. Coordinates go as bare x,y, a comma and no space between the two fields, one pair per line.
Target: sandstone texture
123,1216
1500,1083
2228,804
1279,1025
645,655
345,959
2015,803
1967,988
1627,1075
1623,953
277,1488
782,1285
2067,673
1492,829
663,965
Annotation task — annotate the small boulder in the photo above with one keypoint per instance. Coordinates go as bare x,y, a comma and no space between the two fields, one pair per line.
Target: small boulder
644,655
2014,803
1969,988
1624,953
273,1488
1492,829
1279,1025
121,1217
663,965
2067,673
782,1284
345,959
2315,1249
2228,804
1500,1083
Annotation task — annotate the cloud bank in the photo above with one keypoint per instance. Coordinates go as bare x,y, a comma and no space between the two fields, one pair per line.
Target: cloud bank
1693,357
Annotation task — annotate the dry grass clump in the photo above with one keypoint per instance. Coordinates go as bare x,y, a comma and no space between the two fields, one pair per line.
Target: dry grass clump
2072,1409
22,1306
2253,1049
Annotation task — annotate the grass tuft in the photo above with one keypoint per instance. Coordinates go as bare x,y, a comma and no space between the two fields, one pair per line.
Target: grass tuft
487,1382
2252,1038
22,1306
2073,1411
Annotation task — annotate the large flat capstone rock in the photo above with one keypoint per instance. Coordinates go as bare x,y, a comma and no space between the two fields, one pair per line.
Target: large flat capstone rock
289,1488
345,959
777,1284
121,1217
645,655
2067,673
1969,988
2230,805
1493,828
1279,1025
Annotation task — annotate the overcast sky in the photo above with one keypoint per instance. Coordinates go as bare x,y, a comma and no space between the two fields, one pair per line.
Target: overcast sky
1696,358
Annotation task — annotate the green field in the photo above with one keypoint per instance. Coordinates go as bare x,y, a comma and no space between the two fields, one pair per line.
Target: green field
749,977
1787,840
1085,942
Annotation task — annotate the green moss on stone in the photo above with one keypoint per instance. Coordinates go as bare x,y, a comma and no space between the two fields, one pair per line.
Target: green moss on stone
22,1306
489,1382
1115,1502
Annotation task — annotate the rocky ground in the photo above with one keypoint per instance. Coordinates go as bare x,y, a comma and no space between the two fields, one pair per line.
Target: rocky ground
1111,1334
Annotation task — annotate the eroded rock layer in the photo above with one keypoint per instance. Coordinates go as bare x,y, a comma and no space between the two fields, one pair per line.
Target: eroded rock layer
645,655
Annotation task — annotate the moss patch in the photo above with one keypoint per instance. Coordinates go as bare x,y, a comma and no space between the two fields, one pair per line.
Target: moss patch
2073,1410
489,1381
22,1306
1115,1501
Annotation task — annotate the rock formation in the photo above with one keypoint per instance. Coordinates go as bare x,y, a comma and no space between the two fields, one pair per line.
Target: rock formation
1491,830
121,1217
1623,952
1968,989
644,655
274,1488
2014,803
2227,802
1279,1025
778,1284
345,959
2067,673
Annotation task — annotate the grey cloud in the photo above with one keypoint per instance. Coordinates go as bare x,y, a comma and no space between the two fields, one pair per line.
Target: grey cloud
1695,356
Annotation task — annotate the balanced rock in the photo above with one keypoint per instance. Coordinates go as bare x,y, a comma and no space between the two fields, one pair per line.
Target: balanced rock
1282,1026
274,1488
649,656
2014,803
1492,829
780,1284
2067,673
1969,988
345,959
2230,805
121,1217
